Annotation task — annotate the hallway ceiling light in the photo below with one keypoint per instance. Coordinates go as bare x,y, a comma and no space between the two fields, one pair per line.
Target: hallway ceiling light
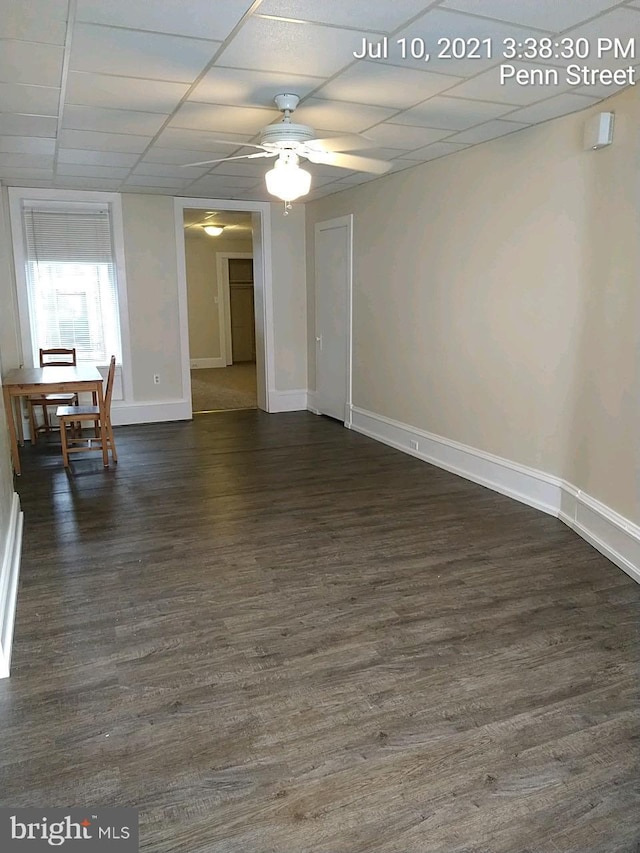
213,230
287,180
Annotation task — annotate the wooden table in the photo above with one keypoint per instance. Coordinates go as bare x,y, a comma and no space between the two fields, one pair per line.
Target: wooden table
25,381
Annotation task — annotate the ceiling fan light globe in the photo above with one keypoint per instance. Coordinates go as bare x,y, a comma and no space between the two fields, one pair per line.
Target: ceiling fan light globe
287,181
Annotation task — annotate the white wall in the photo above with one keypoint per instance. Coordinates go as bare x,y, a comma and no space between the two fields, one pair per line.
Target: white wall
496,300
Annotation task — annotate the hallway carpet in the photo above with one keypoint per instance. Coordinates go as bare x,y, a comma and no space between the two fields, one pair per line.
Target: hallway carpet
222,388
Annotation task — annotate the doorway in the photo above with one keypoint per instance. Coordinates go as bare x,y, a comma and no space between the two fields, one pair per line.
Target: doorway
221,307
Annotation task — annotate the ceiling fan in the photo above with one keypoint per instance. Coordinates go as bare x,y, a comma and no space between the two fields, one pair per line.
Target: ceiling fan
289,142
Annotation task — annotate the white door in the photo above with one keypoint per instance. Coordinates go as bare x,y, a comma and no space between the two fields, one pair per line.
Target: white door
333,316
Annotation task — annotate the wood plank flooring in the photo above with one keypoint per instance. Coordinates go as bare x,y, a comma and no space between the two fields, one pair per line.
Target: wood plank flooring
273,635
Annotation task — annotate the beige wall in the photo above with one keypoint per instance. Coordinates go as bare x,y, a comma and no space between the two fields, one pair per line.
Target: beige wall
202,288
496,300
151,265
289,296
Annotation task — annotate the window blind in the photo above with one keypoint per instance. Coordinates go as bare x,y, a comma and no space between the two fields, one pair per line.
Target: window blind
71,281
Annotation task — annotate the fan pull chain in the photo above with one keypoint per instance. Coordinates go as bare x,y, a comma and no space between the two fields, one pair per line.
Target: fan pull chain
287,208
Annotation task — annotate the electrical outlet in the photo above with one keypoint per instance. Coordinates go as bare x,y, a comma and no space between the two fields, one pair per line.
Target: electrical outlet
413,444
156,378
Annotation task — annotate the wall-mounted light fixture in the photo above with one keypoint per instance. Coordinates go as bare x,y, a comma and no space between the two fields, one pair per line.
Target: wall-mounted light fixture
213,230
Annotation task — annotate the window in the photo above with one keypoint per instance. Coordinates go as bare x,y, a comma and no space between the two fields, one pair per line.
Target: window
71,280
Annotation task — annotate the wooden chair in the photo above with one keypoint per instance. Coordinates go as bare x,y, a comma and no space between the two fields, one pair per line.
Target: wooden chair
73,417
58,357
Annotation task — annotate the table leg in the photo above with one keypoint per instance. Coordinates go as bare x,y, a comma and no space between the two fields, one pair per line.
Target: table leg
103,428
11,423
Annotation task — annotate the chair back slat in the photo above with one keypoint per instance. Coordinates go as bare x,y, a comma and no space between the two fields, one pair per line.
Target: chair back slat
58,357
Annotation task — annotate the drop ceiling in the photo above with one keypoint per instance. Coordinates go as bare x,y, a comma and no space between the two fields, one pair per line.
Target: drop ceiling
120,95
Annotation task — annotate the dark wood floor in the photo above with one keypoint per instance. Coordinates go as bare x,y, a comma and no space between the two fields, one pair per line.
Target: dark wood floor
273,635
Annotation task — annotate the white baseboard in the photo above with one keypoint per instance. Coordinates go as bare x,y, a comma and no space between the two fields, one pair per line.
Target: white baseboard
202,363
616,537
287,401
150,412
9,573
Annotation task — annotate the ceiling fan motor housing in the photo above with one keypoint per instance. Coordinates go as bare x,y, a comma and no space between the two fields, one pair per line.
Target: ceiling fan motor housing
286,135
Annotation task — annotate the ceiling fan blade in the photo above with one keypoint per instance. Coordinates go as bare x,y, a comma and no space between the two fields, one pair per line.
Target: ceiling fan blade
346,142
237,157
349,161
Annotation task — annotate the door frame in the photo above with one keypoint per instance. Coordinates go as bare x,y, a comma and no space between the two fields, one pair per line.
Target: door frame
224,294
327,225
262,290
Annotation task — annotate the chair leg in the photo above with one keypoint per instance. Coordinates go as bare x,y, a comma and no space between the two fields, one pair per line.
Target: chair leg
63,441
32,424
45,415
112,442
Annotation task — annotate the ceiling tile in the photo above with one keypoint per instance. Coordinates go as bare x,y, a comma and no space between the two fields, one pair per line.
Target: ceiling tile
492,86
126,143
490,130
431,152
80,171
112,121
125,93
451,113
27,145
362,14
27,125
200,140
39,174
169,171
221,181
133,53
552,108
35,20
250,88
272,45
35,100
203,18
157,181
404,136
440,23
352,118
10,159
623,24
87,183
217,117
31,63
385,85
96,158
544,14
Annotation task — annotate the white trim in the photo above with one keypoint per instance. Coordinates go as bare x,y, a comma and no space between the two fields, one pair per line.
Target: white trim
288,401
151,412
224,297
203,363
9,574
327,225
616,537
114,202
263,288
